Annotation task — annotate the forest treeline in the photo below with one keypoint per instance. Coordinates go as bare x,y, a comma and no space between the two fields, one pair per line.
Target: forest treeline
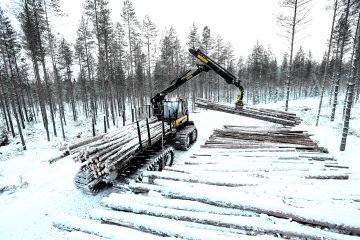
116,66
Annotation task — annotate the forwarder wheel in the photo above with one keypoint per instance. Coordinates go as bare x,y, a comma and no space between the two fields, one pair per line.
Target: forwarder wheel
187,141
169,158
194,136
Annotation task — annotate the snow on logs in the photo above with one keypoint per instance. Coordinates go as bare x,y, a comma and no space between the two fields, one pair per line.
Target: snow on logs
113,151
251,224
281,185
242,137
280,174
269,115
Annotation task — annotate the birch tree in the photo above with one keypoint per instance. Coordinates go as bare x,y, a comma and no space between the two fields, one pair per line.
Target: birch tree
149,34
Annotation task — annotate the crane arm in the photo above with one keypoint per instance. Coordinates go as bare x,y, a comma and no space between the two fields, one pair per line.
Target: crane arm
176,83
225,74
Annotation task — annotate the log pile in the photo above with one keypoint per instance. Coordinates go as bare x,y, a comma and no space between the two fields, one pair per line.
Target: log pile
260,137
296,191
100,156
269,115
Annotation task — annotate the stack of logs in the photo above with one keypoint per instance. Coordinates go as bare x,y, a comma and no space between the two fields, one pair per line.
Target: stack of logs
269,115
101,155
241,137
239,193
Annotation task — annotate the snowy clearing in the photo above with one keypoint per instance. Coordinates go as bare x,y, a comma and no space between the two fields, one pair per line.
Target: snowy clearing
38,192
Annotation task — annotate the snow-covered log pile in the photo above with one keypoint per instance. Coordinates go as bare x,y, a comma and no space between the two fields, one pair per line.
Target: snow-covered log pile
113,151
269,115
259,137
266,192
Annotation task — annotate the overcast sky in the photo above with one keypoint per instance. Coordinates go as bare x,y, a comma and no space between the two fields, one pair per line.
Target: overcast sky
242,22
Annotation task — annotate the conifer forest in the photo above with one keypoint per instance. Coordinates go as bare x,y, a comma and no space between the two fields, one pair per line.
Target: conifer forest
112,67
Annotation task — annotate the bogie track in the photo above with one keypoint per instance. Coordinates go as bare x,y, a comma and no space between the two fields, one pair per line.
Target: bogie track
152,159
185,137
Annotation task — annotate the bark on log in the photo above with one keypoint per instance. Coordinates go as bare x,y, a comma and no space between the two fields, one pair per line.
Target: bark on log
70,223
114,151
167,203
159,226
268,115
324,219
245,138
252,225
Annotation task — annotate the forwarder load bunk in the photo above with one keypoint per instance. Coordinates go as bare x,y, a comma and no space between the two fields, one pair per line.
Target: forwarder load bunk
103,157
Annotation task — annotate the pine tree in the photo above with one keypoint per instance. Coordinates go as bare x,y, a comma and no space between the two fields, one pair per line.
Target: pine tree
272,77
351,81
293,23
149,34
282,76
119,47
84,47
55,8
256,71
207,45
131,26
9,49
32,24
65,61
327,62
193,41
218,55
343,36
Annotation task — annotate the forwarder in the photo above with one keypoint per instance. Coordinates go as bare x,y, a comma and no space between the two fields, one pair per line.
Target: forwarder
176,113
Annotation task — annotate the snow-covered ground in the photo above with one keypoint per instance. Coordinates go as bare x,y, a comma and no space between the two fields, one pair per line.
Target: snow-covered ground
39,191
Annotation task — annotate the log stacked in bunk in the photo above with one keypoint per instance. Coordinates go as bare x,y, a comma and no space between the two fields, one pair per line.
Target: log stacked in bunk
270,192
269,115
237,137
113,151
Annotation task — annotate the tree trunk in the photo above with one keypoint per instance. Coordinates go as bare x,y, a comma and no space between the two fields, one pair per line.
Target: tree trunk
2,96
6,104
339,72
109,77
326,64
350,95
13,92
10,84
40,93
289,72
49,95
